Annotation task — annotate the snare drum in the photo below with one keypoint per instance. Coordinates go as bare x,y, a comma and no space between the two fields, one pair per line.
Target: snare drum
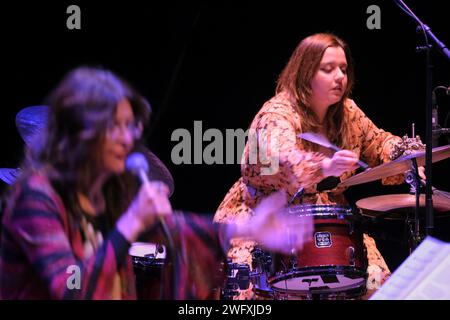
332,266
148,264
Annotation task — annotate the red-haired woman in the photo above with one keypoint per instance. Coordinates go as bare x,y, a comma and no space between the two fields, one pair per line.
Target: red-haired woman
312,95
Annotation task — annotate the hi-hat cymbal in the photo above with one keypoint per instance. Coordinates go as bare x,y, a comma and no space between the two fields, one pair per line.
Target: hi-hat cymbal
9,175
393,206
396,166
31,121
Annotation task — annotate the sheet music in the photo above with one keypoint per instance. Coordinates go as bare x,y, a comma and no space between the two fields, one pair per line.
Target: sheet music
425,275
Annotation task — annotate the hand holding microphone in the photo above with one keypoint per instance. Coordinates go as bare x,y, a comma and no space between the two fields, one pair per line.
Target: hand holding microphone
150,204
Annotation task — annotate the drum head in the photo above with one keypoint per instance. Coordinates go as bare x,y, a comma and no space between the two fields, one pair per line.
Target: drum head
321,280
147,255
147,250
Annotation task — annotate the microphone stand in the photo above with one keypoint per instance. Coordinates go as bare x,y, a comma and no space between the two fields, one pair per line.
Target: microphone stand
171,244
428,34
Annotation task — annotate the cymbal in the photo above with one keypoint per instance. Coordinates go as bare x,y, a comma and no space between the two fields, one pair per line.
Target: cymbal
397,166
158,171
9,175
31,121
393,206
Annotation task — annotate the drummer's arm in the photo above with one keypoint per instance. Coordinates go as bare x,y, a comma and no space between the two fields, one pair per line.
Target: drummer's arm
291,167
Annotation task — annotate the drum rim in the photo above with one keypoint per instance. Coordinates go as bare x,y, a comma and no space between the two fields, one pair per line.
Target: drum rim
147,262
321,210
324,294
349,291
277,294
346,292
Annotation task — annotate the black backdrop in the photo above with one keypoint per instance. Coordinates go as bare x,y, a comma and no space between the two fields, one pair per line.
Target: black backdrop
218,62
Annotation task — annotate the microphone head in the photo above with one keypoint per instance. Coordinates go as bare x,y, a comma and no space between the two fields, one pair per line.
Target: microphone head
136,162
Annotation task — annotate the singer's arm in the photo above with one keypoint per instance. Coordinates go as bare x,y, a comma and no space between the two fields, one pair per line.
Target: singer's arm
203,244
269,226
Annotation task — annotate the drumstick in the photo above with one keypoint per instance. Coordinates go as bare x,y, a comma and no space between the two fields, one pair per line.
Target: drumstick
323,141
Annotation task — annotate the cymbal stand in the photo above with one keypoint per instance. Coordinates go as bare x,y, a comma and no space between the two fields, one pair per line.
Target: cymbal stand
431,42
413,179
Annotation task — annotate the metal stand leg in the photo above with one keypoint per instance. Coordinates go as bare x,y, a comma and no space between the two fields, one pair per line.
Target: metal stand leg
413,179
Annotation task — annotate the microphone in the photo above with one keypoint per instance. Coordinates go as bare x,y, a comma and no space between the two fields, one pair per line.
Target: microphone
138,165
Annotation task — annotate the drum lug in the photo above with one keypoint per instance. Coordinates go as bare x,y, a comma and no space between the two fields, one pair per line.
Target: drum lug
351,256
351,226
293,261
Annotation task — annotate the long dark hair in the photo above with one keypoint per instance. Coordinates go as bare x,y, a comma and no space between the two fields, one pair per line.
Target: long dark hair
81,108
296,78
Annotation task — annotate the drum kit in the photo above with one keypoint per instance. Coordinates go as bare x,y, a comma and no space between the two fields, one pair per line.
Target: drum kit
333,266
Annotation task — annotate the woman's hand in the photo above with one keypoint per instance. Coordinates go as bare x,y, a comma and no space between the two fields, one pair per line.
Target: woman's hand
422,173
342,161
148,206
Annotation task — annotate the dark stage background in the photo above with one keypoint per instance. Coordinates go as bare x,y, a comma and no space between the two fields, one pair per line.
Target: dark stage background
218,62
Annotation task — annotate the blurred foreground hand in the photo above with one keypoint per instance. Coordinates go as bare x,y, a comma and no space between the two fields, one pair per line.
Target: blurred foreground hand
276,230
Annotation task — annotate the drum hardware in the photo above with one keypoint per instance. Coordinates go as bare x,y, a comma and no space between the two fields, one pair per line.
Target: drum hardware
351,256
264,259
351,227
413,179
293,260
160,248
237,278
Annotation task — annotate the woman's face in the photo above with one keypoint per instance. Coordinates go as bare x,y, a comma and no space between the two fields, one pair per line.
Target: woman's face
330,81
119,139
